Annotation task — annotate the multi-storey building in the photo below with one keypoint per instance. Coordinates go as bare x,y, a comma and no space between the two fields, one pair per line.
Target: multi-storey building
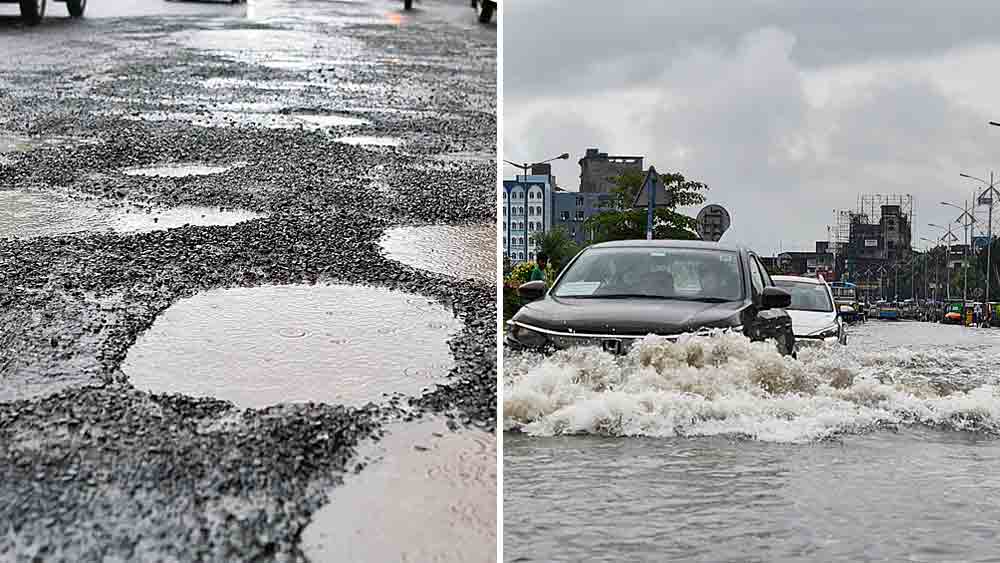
571,209
598,170
525,210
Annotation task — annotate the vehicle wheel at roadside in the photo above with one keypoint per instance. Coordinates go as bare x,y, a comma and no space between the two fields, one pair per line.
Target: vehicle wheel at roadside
486,11
32,11
76,7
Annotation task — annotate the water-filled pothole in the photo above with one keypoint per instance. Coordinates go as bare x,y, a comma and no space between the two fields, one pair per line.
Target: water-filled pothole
261,346
253,119
367,141
13,143
180,170
467,251
436,500
29,214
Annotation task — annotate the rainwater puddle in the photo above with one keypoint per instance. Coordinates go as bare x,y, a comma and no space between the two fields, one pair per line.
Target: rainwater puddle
460,251
274,48
180,170
365,141
20,143
275,344
37,214
252,119
436,500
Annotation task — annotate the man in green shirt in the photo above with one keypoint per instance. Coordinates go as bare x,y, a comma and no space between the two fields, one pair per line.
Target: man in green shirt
538,272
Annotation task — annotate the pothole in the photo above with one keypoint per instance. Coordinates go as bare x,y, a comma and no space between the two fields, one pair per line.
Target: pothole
461,251
11,143
261,346
436,500
362,140
180,170
252,119
28,214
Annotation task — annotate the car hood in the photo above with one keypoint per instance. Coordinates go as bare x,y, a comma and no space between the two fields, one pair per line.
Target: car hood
805,323
633,317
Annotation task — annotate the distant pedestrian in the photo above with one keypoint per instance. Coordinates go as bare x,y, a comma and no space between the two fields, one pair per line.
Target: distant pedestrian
538,272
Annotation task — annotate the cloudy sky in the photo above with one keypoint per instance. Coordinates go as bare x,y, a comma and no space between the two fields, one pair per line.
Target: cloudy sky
787,109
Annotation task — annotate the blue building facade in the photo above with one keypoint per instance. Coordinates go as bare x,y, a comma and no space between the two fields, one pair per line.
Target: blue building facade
526,208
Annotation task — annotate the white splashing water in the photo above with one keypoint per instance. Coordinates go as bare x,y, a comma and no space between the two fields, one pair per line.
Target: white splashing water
727,385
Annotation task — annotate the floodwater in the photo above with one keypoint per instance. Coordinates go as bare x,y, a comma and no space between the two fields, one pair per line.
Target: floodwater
436,502
262,346
30,214
461,251
724,451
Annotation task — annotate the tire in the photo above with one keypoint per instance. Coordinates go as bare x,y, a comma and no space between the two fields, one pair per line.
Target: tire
76,8
407,4
32,11
486,12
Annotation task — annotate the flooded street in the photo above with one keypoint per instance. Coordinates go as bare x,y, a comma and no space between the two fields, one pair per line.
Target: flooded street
199,324
882,450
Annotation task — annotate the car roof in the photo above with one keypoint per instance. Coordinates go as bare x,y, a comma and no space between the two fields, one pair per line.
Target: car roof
664,243
801,279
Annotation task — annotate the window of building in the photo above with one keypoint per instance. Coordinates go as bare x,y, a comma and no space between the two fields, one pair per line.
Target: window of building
564,215
579,202
579,215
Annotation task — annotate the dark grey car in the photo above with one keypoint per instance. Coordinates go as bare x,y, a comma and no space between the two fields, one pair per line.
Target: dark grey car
613,294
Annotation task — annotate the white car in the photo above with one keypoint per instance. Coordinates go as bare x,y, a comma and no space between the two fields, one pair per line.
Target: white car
813,310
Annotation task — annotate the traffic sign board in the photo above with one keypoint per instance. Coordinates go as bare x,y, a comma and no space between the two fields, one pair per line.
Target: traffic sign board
652,182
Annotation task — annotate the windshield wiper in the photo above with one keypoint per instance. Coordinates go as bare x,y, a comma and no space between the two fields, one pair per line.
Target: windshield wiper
703,299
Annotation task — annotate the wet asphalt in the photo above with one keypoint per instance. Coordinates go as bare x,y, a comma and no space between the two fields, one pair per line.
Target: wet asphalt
91,468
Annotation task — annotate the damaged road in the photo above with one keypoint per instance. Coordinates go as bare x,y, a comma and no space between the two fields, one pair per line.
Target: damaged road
258,95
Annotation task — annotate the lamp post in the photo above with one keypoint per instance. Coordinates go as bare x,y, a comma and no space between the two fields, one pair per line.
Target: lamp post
951,238
967,221
935,243
524,169
986,198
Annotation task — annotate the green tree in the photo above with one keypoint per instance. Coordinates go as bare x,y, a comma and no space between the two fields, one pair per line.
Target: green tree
621,221
557,245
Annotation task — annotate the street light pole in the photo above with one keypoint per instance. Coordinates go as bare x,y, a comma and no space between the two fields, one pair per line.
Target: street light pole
967,221
986,198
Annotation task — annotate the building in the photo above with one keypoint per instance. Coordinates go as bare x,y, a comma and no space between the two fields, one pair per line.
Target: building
525,209
571,209
598,170
807,263
878,234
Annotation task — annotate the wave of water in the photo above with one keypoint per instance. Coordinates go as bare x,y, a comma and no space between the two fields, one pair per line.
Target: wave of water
727,385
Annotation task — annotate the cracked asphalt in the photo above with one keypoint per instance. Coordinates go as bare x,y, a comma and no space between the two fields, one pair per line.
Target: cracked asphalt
94,469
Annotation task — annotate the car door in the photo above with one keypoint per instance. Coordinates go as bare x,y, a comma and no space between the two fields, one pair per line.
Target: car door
772,323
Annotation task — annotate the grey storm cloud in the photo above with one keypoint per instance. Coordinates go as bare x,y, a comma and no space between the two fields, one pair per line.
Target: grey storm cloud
788,110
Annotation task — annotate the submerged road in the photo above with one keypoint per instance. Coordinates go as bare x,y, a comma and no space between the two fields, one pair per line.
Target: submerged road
157,152
882,450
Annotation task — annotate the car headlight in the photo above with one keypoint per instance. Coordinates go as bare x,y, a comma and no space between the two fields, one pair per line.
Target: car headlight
528,337
828,332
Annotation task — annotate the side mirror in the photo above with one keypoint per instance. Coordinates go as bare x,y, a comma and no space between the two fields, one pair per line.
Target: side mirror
530,291
775,298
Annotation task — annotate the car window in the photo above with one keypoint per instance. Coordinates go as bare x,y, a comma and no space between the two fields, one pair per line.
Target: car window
756,278
763,272
807,296
670,273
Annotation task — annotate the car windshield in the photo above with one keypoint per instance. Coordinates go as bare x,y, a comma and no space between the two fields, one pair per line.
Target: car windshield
807,296
656,273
